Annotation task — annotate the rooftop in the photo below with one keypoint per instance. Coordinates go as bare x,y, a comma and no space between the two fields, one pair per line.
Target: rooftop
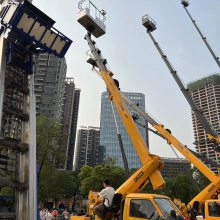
211,79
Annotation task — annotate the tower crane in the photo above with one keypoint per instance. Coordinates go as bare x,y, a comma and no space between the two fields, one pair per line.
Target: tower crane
150,25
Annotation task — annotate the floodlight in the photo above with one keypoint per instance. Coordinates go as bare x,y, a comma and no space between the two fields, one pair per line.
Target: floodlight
32,25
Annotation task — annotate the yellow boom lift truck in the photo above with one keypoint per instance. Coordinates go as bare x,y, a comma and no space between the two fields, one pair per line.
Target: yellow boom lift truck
212,135
213,190
128,203
207,202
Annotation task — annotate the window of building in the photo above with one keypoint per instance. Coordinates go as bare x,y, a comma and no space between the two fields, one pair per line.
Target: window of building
142,208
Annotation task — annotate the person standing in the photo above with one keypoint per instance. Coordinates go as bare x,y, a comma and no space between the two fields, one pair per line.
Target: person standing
105,195
55,214
49,215
43,214
65,214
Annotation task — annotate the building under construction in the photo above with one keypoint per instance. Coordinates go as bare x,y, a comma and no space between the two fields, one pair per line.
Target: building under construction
206,94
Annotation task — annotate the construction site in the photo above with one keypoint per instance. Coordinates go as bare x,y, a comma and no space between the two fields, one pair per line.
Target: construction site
26,33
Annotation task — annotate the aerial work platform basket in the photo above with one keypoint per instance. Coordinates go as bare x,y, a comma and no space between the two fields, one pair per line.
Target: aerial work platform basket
149,23
91,18
185,3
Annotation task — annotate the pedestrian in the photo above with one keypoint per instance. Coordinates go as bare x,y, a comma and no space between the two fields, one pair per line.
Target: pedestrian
55,214
105,195
43,214
49,215
65,214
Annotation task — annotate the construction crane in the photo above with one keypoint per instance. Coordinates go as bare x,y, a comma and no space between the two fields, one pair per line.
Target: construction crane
185,4
25,31
207,196
127,195
150,25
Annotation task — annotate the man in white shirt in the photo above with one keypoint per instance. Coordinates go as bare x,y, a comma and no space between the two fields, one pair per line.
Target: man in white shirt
105,195
43,214
49,215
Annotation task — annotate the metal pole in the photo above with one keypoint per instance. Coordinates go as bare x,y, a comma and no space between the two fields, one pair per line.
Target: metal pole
2,71
24,169
32,155
124,158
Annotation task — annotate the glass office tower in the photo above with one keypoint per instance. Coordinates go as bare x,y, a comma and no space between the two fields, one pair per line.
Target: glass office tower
108,132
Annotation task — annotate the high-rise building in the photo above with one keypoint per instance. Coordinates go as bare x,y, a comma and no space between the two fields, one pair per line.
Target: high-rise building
173,167
108,132
206,94
57,98
50,74
73,128
88,149
67,112
69,120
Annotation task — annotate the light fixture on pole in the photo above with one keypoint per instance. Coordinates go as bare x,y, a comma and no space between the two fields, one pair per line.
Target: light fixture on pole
27,22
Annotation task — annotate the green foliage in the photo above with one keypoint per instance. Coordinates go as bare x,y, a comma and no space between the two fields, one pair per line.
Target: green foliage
91,178
8,191
182,187
53,183
56,184
48,142
201,180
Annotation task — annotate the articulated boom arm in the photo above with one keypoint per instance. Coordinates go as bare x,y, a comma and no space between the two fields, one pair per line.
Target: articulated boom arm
151,164
211,190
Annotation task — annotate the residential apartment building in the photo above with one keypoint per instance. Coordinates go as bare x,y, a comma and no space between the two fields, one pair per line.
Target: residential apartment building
69,120
73,129
58,99
49,85
206,94
88,149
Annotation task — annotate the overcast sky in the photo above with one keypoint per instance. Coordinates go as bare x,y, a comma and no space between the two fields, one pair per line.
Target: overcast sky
135,61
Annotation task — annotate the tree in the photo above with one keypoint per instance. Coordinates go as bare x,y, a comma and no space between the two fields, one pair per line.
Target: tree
91,178
200,179
53,184
49,150
56,184
181,187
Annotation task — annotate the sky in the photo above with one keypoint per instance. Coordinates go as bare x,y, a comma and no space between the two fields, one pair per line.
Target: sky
134,60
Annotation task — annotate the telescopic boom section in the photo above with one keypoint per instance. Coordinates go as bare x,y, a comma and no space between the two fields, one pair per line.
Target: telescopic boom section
185,4
211,133
153,173
213,189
